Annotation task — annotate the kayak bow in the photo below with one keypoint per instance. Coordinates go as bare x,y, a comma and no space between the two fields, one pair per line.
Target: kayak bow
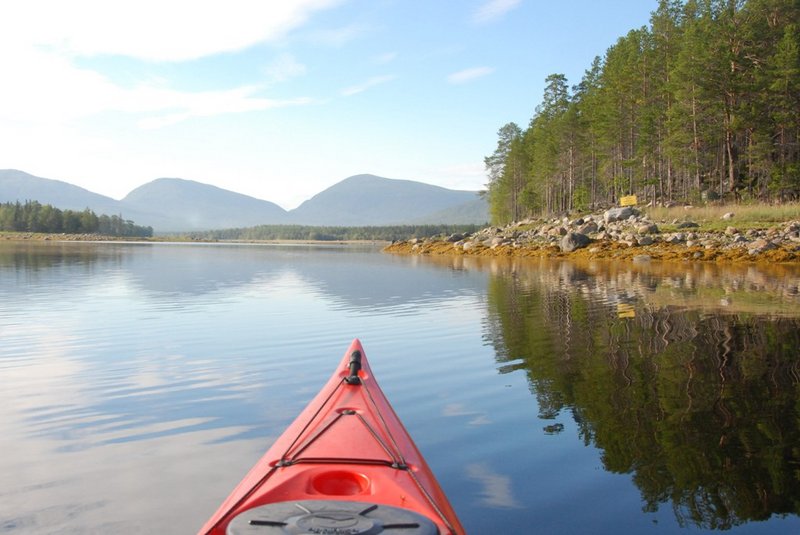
346,465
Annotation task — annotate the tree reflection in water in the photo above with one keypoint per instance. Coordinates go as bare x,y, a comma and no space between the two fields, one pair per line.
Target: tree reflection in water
701,406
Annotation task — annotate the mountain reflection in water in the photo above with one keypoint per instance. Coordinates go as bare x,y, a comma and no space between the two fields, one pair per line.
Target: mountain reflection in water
694,390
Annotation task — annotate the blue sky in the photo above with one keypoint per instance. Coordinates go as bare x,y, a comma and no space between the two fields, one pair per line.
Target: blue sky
282,99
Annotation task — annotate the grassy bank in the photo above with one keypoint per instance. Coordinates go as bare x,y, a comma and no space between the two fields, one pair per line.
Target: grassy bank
711,217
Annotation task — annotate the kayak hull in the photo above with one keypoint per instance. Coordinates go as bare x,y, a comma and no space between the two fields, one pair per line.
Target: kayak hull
346,450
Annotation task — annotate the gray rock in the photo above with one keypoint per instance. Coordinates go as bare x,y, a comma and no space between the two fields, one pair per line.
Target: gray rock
588,228
644,240
619,214
678,237
574,240
727,216
688,224
649,228
496,242
759,246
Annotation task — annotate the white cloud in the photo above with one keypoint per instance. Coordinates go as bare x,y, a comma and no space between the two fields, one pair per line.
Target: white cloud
283,68
372,82
48,90
493,10
210,103
40,87
497,490
467,75
154,30
43,85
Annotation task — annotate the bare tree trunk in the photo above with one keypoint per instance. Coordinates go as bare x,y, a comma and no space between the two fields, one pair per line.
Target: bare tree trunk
695,142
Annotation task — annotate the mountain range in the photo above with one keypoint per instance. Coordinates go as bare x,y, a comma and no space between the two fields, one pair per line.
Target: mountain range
179,205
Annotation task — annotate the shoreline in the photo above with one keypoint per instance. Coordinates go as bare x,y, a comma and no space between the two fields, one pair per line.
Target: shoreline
63,237
600,250
617,234
624,234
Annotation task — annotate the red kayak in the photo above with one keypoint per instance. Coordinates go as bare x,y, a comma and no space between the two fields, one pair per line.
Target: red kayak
346,465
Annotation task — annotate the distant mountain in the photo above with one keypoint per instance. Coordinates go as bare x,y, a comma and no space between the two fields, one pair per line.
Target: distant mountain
20,186
178,205
189,205
372,200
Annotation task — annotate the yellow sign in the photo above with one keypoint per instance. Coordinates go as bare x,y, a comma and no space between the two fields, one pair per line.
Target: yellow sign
628,200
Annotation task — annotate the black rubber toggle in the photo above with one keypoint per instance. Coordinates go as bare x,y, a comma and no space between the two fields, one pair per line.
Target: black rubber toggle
355,367
271,523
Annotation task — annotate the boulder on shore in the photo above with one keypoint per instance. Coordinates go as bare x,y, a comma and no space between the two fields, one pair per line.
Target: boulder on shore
574,240
619,214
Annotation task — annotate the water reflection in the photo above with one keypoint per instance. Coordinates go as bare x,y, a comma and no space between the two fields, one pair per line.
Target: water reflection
686,377
354,277
745,288
139,371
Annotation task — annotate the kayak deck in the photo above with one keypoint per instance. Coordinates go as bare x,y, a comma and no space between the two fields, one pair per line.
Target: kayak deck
346,465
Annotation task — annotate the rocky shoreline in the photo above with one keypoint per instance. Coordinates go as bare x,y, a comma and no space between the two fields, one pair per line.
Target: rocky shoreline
619,233
39,236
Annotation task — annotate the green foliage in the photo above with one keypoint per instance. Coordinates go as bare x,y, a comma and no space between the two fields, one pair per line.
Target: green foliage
35,217
580,199
706,97
506,171
303,232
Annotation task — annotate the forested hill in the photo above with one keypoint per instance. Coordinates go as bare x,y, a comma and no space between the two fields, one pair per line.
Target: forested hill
703,102
373,200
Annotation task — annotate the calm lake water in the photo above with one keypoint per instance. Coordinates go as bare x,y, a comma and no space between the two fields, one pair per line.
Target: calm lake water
139,382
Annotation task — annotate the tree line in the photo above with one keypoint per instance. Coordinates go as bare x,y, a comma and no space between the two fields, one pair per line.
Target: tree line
33,216
304,232
702,103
